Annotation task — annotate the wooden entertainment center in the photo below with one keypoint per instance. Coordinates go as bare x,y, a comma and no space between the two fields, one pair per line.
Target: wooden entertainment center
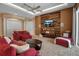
62,22
51,31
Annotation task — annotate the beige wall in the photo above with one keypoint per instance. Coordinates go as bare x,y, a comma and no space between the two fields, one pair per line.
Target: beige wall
37,25
66,18
1,25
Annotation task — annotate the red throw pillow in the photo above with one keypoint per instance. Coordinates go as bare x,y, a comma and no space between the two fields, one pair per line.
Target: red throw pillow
18,42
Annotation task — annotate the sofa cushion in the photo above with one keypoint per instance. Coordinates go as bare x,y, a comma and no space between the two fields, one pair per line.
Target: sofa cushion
20,49
62,42
66,42
17,42
22,32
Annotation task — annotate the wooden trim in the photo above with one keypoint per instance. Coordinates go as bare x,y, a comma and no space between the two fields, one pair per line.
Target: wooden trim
1,24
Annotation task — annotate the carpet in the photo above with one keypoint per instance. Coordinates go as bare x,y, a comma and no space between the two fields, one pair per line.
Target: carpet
50,49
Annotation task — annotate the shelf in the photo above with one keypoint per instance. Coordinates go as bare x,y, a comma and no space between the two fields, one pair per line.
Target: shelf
54,30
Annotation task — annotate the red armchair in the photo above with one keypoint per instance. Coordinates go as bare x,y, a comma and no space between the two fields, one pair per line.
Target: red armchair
7,50
21,35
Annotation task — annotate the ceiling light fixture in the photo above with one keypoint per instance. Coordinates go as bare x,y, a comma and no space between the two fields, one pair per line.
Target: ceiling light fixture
65,4
15,6
33,8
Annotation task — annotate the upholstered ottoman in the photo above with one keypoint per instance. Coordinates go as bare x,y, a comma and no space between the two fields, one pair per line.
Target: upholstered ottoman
66,42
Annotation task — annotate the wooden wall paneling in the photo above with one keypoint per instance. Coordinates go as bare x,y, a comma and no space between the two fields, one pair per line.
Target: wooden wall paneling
37,25
64,16
66,19
54,30
1,24
54,15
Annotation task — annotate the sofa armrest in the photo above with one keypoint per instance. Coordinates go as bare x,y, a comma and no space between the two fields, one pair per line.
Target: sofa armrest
11,51
30,52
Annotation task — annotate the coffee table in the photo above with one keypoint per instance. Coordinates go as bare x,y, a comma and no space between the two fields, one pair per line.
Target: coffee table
34,43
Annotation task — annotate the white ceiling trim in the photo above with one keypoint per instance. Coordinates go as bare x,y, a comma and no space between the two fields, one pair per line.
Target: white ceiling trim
18,7
55,8
52,9
46,10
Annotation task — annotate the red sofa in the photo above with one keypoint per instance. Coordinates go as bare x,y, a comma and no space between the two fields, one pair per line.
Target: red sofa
7,50
21,35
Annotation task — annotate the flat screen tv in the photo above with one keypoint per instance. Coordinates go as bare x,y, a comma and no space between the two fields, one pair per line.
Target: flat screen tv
48,23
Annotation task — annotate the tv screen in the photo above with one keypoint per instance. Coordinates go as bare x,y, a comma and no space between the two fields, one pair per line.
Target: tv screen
48,23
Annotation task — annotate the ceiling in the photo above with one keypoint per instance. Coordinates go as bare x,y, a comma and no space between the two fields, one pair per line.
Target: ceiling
33,6
30,10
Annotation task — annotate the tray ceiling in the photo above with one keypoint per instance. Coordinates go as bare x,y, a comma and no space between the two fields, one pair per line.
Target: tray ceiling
33,6
30,10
